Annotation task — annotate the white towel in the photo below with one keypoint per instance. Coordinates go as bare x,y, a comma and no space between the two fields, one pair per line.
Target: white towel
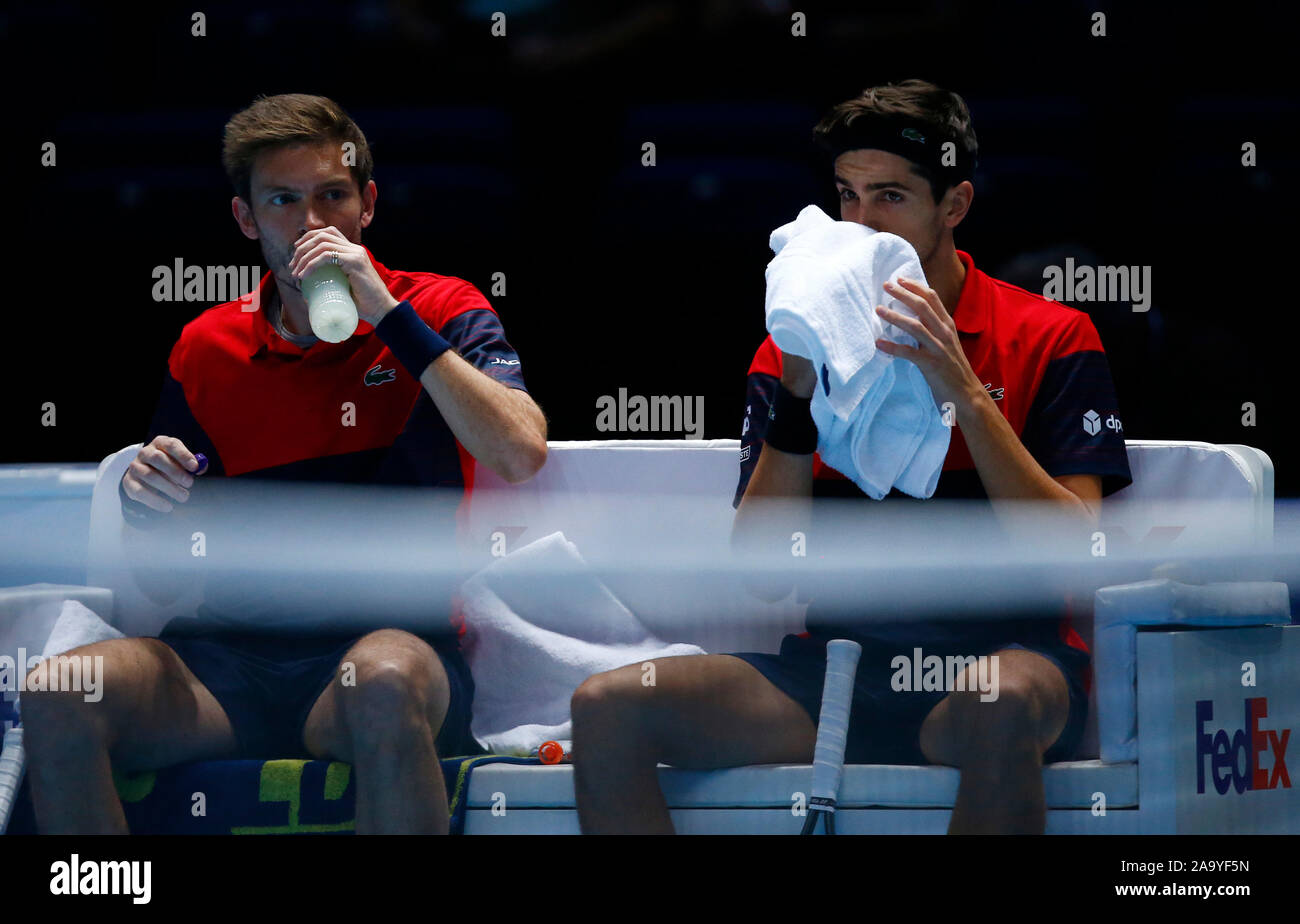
537,624
77,625
877,422
902,444
47,627
874,450
823,286
921,476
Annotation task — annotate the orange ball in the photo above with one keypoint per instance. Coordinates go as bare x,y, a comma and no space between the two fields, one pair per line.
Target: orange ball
550,752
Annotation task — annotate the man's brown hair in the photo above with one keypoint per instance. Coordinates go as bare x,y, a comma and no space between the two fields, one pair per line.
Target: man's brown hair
938,114
290,118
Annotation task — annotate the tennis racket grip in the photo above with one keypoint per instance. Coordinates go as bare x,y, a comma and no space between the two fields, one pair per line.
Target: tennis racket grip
833,726
12,764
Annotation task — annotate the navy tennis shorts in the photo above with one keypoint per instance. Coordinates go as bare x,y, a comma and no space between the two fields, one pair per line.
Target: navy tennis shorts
268,684
884,725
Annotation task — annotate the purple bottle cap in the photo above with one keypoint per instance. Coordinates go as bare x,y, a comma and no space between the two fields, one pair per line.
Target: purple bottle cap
202,460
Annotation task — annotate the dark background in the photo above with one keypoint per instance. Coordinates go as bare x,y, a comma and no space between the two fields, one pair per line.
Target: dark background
522,155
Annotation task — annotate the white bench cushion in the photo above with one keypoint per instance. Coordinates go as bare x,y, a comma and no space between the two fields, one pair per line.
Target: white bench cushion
1068,785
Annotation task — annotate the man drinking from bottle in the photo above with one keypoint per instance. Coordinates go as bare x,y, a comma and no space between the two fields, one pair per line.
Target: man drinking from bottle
435,387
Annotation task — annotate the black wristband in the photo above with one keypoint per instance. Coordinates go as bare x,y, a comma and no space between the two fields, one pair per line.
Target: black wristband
790,426
414,343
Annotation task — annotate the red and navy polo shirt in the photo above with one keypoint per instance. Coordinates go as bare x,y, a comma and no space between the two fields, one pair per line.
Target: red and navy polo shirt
1043,364
258,406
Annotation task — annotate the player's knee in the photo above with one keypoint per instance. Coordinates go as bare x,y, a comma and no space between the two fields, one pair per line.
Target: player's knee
1001,722
607,701
391,695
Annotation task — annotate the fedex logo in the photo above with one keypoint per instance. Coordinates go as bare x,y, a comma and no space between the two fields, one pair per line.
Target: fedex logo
1224,756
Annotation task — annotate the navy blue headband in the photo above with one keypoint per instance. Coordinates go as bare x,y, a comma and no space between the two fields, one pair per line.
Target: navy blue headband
917,143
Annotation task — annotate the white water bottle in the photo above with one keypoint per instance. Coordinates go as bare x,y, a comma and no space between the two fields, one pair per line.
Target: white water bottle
330,308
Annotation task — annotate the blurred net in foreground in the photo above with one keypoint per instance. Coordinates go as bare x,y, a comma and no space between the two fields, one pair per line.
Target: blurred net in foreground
279,556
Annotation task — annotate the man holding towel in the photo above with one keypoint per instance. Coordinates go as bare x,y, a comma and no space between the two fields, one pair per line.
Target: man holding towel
1023,378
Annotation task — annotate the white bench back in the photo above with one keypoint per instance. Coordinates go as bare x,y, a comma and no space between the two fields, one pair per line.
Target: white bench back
1167,474
1164,471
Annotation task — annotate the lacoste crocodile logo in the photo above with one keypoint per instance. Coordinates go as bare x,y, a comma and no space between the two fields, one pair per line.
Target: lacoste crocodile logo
377,376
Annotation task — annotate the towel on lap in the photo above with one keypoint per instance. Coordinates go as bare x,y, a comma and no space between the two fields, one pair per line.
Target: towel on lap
537,624
48,628
77,625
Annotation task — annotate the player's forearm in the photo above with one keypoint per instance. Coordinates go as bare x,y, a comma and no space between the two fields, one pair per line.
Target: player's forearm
778,476
500,427
1007,470
777,503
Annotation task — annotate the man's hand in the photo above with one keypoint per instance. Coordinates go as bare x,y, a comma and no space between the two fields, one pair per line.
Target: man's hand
1006,468
160,471
938,354
798,375
313,250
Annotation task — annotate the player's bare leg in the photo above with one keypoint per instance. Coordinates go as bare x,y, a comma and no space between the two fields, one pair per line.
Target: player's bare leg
999,745
153,713
385,726
703,712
